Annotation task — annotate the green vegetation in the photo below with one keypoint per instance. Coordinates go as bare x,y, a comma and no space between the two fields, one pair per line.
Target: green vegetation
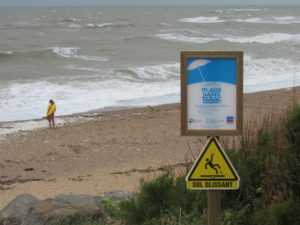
164,200
268,162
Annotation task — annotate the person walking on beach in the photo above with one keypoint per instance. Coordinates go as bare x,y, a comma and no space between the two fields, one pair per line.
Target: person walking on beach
50,113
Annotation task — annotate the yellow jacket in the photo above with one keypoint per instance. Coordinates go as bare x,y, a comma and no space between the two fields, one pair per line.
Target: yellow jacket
51,109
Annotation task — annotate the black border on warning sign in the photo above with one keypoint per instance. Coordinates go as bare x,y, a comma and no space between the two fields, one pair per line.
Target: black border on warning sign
224,156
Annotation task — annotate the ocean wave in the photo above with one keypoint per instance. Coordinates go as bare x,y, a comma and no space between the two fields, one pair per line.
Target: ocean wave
142,37
103,25
107,25
201,19
270,20
262,20
155,72
74,25
164,71
269,38
246,10
5,53
263,71
65,52
26,53
91,58
22,25
71,52
249,20
71,20
98,25
81,68
29,100
286,19
164,24
218,11
183,38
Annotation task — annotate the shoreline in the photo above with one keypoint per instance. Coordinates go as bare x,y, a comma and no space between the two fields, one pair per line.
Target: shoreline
111,150
8,127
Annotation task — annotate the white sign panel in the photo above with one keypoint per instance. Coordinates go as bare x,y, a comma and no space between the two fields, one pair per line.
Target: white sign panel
212,94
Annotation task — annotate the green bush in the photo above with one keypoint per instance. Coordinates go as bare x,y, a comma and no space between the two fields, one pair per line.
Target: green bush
164,198
292,125
286,213
112,208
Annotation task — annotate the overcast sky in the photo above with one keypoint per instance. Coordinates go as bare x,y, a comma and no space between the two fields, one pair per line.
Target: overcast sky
41,3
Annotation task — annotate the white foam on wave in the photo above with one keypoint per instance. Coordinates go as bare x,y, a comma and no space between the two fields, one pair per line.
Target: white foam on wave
15,127
250,20
246,10
25,24
75,67
74,25
66,52
164,71
155,84
262,20
30,125
6,52
99,25
71,52
183,38
271,73
71,20
28,100
268,38
219,11
286,19
271,20
91,58
201,19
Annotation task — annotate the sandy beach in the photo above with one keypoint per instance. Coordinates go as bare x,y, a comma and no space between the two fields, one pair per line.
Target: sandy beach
93,153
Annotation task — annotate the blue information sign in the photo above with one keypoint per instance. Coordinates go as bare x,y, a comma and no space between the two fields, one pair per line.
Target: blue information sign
210,86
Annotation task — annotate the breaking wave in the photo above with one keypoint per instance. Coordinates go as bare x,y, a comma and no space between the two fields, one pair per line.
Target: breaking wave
183,38
268,38
265,38
200,19
66,52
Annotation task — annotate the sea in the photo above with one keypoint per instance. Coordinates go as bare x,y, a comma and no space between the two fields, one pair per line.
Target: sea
129,56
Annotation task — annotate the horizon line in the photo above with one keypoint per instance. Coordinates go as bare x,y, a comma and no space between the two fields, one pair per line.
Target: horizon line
126,5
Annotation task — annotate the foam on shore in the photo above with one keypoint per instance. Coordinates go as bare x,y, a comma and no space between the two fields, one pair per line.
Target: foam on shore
13,127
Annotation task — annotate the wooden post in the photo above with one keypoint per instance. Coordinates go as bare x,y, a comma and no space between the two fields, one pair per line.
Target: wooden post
214,204
214,207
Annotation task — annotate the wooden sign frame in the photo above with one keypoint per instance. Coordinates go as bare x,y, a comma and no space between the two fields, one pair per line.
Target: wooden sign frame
195,102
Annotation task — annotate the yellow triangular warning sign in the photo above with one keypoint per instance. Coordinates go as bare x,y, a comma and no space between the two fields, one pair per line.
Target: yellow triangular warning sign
212,169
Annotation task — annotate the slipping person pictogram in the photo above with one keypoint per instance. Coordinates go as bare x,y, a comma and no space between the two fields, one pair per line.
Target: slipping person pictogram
211,164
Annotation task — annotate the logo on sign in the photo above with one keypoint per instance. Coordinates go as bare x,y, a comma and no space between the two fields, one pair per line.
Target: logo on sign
230,119
211,95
